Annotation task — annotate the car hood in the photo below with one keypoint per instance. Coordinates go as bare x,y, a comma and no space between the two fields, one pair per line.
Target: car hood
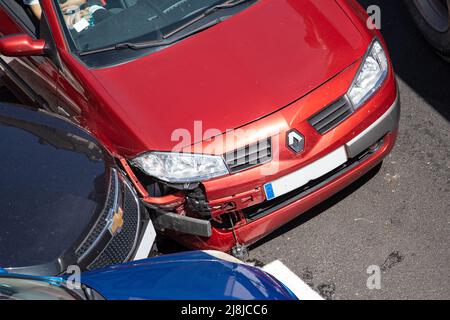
54,179
164,278
245,68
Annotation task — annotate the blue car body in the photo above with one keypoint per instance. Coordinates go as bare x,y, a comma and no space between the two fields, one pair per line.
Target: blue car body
184,276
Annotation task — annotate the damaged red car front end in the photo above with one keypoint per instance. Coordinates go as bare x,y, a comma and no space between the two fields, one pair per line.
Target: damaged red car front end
226,212
261,89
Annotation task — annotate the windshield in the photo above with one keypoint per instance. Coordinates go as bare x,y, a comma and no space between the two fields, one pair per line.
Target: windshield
28,289
94,24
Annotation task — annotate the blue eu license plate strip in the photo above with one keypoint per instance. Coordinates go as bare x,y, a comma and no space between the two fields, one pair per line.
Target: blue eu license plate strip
269,191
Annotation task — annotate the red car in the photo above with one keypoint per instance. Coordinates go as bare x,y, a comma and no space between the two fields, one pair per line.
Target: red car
230,117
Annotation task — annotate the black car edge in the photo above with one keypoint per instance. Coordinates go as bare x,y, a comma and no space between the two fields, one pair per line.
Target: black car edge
63,199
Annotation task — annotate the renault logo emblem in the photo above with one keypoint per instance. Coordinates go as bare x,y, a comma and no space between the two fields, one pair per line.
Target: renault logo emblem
295,141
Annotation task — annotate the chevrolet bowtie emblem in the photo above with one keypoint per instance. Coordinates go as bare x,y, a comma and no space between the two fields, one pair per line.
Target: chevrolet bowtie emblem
295,141
116,222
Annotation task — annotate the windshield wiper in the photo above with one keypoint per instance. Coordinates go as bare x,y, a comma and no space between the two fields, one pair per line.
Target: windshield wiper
165,41
154,43
209,11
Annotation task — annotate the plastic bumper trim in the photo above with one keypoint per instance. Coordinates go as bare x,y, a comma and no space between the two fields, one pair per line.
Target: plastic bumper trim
388,122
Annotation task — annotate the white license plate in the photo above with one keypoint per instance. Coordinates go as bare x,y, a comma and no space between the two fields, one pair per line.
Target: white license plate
306,174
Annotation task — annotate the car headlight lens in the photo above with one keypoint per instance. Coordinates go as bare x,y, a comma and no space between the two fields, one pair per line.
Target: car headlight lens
181,167
371,75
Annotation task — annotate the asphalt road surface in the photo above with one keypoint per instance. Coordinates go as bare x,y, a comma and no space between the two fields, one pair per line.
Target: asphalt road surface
396,217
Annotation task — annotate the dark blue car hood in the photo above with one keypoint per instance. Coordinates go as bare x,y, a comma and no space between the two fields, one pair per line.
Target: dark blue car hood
54,184
185,276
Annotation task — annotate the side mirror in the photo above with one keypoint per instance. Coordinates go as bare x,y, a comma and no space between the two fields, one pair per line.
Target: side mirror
21,45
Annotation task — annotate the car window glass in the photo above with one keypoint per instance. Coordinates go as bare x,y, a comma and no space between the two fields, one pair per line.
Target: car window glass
94,24
21,14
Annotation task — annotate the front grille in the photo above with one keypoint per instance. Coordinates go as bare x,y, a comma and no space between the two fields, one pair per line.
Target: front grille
100,225
332,115
249,156
122,245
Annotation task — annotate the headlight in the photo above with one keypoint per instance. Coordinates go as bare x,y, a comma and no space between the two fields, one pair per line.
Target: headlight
371,75
181,167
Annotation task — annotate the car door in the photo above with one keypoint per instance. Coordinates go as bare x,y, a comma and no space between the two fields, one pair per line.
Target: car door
32,79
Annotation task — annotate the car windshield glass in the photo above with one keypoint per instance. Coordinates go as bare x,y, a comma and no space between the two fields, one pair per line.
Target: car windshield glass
94,24
28,289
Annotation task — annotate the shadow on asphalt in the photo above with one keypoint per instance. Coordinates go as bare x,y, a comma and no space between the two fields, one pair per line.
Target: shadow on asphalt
414,60
167,246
